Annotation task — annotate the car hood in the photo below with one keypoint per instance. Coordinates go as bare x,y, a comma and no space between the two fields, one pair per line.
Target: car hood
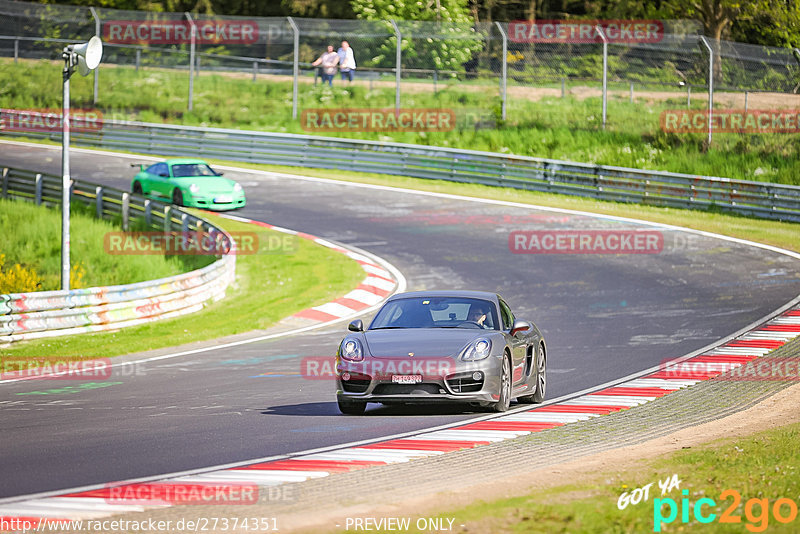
423,342
207,183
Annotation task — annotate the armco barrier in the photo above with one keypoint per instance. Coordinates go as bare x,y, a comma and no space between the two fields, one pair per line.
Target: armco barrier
760,199
55,313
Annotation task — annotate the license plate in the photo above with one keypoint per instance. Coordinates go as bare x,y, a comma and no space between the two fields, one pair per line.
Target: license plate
406,379
223,199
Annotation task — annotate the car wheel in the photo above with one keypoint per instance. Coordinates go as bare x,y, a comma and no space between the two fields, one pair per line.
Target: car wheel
177,197
351,408
504,401
137,188
540,377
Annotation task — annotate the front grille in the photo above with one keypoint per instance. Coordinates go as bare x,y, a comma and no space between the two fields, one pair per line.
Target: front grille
407,389
358,383
464,383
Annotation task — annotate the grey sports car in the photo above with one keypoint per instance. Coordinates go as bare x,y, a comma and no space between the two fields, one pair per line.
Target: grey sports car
441,346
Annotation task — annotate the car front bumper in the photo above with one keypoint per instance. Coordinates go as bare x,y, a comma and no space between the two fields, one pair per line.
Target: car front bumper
444,380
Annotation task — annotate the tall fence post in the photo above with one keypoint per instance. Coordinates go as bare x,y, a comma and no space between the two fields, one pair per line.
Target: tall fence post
126,211
4,185
16,50
397,61
96,32
193,39
504,70
704,42
38,189
605,72
295,65
98,198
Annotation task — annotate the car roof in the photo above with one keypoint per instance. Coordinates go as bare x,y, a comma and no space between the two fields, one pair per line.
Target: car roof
173,161
463,293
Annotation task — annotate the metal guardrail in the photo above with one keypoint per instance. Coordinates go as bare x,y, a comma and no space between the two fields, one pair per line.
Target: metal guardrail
54,313
619,184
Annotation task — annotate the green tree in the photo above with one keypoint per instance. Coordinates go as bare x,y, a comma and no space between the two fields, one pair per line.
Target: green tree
435,34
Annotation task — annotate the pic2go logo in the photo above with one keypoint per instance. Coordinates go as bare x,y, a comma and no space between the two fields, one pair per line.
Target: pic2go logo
756,511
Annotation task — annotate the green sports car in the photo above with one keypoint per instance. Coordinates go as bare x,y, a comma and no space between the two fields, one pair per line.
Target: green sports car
188,182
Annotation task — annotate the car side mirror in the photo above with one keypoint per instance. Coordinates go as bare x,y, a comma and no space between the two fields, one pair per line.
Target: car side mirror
356,326
520,326
163,175
220,173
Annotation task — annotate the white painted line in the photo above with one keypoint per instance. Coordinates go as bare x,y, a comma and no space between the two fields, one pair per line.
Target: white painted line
380,283
609,400
334,308
547,417
662,383
364,296
455,434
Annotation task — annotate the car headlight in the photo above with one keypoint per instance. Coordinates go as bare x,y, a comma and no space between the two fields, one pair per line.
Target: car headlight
477,350
351,350
194,188
237,188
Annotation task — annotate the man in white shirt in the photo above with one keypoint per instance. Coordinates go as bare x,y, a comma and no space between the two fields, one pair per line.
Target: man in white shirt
347,61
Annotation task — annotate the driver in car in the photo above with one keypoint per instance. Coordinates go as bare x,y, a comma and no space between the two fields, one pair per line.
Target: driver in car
478,314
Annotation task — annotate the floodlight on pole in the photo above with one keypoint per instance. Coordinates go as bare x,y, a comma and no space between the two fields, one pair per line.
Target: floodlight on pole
86,57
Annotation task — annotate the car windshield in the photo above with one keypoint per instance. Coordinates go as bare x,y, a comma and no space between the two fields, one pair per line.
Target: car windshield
436,312
182,170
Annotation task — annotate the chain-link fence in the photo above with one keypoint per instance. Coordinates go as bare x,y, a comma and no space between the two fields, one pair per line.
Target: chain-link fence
491,70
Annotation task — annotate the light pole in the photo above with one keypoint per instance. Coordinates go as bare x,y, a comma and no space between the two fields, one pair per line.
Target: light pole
86,57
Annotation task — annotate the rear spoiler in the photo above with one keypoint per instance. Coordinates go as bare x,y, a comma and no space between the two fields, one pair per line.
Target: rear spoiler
140,165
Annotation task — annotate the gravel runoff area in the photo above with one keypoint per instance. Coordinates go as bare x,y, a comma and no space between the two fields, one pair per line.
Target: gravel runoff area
419,486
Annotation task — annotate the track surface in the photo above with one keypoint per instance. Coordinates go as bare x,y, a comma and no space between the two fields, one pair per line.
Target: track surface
604,317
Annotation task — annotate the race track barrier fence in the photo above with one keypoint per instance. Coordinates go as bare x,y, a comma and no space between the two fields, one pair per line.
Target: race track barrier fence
43,314
603,182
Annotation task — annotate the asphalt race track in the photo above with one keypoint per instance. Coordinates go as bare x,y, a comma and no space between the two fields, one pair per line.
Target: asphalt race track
604,316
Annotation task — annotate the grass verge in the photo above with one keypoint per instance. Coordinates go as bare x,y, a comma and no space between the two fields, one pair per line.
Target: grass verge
30,235
537,125
762,467
268,288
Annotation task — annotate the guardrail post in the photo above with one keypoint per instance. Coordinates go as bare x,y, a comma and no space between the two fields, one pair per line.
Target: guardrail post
98,199
96,32
631,92
167,219
605,71
255,70
563,87
689,96
126,210
746,93
4,190
148,212
138,58
397,60
16,50
704,42
38,189
295,65
504,72
193,34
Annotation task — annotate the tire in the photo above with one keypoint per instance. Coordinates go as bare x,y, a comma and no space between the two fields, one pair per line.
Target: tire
177,197
137,188
504,401
351,408
541,379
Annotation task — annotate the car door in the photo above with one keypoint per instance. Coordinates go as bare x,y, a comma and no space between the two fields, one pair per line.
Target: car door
519,345
159,180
